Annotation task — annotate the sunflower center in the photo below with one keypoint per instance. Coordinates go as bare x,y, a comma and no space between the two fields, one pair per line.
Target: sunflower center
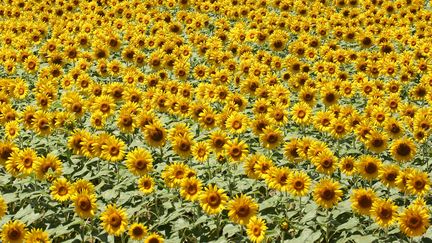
256,231
328,194
127,121
330,97
62,191
156,135
219,142
185,146
414,222
301,114
146,184
236,125
348,166
391,176
14,234
214,200
403,149
115,220
327,163
192,189
243,211
386,213
140,164
298,185
137,231
272,138
104,107
419,184
235,152
340,129
114,151
377,142
365,201
28,162
371,168
84,204
278,44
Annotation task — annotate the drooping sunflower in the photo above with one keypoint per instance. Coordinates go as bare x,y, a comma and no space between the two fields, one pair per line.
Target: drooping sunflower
213,199
13,231
191,189
362,200
85,204
114,220
61,189
256,229
403,149
146,184
139,161
414,221
137,231
384,212
298,183
327,193
241,209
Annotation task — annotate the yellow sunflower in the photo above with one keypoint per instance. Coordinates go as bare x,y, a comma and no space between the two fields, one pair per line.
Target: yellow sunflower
85,204
191,189
114,220
256,229
414,221
299,183
61,189
418,183
146,184
327,193
37,235
362,200
403,149
241,209
154,238
139,161
368,166
384,212
236,150
213,199
3,207
13,231
137,231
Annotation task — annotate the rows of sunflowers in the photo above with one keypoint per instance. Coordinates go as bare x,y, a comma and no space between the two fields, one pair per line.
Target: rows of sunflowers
215,121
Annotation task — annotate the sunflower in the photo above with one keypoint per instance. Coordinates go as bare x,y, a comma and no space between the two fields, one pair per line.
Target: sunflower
362,200
85,204
237,123
327,193
418,183
82,185
218,139
376,141
139,161
414,221
146,184
113,149
61,189
114,220
388,174
291,150
48,167
137,231
3,207
236,150
37,235
155,134
403,149
339,127
154,238
201,151
347,165
24,159
104,104
241,209
213,199
271,137
256,229
298,183
12,129
41,123
384,212
207,118
277,178
368,166
190,189
326,162
182,145
174,174
322,120
329,95
13,231
301,113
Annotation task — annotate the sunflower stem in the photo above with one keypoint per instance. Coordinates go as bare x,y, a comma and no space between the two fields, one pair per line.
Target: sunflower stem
328,226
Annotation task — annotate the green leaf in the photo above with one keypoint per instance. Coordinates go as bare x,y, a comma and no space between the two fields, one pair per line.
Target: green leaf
230,229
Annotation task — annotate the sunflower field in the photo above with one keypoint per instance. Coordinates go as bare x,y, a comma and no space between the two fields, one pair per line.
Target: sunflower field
215,121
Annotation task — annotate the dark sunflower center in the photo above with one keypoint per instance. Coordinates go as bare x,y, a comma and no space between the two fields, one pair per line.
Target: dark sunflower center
371,168
115,221
403,149
328,194
414,222
214,200
243,211
84,204
365,201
